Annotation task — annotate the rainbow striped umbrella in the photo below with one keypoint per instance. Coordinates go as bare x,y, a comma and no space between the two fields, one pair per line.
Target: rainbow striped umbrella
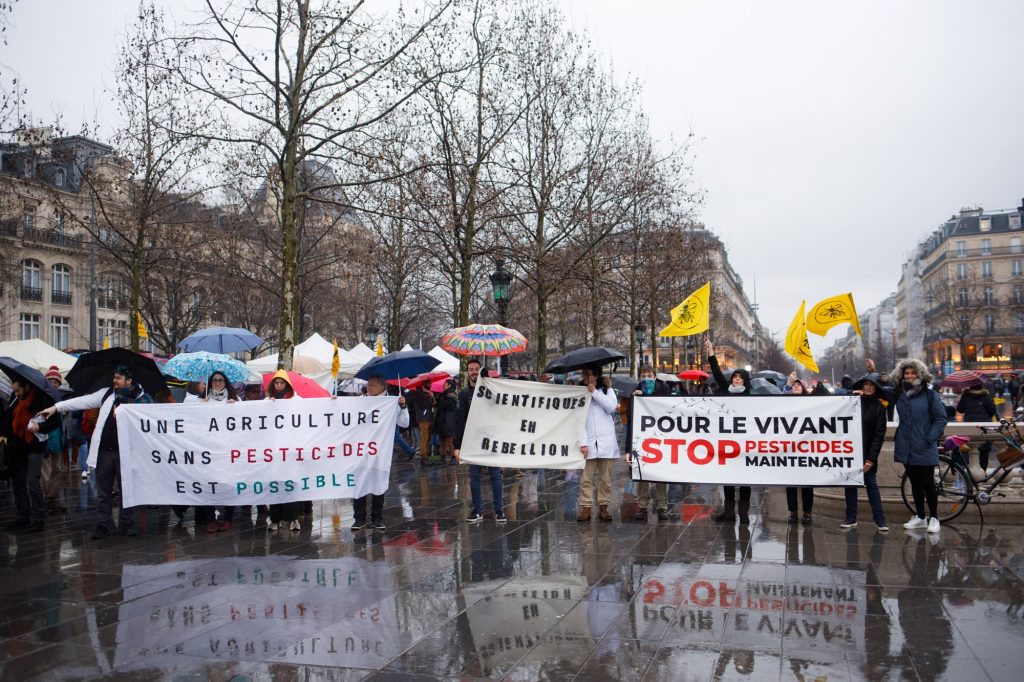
483,339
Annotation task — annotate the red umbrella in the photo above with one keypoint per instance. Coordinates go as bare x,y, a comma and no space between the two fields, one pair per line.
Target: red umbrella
304,386
965,378
425,378
692,375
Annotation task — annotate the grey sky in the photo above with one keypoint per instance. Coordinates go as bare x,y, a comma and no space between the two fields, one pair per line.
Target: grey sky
833,135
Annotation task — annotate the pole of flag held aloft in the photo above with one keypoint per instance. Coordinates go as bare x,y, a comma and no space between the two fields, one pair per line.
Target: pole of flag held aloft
140,326
692,316
797,345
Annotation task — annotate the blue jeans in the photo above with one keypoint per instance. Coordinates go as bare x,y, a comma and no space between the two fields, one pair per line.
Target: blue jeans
874,498
406,448
83,456
475,471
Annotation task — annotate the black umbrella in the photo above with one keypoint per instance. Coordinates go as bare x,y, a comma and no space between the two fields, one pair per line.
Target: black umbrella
581,357
762,386
623,384
777,378
94,371
18,371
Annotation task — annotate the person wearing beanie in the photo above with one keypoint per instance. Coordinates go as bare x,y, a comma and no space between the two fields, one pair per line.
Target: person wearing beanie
56,442
737,385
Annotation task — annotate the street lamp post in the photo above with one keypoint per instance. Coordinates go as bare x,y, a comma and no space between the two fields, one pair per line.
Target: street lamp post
501,279
641,334
371,336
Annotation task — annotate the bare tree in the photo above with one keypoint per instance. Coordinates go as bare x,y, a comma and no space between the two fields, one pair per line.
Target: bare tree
956,309
295,85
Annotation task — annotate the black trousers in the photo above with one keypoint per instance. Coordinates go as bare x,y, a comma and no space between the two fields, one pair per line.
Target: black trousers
376,509
27,483
289,511
806,497
730,493
108,472
922,485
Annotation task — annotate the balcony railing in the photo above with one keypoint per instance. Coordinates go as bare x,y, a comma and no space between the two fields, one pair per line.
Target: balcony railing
31,293
60,297
50,236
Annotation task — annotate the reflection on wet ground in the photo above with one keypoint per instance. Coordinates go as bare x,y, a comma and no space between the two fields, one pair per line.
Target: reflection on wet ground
539,598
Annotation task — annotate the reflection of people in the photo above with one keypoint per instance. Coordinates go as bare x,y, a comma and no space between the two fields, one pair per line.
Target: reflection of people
600,445
926,627
103,449
873,421
922,418
737,385
649,385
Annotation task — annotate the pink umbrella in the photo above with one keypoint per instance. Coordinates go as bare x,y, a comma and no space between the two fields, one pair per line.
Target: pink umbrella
438,386
304,386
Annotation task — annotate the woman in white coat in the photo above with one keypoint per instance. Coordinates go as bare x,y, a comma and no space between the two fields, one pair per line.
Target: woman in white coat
600,445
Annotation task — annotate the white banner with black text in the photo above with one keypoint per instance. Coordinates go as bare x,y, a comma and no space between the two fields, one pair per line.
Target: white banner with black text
259,452
525,424
766,440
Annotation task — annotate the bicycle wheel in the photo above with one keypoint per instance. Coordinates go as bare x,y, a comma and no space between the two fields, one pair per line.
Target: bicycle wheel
953,486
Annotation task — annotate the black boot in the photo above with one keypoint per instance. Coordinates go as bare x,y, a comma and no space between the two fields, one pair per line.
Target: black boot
744,511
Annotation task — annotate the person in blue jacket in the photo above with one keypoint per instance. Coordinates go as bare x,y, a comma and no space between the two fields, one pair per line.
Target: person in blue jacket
922,419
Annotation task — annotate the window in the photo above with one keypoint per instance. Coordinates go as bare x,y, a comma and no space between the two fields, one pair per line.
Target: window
28,216
113,331
29,327
31,284
990,324
961,271
986,268
1015,267
965,323
961,297
61,291
60,331
985,224
986,247
59,179
1018,294
989,296
111,294
1015,222
1015,245
961,248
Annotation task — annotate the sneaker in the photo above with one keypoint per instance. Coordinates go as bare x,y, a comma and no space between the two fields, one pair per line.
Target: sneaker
663,514
272,526
358,526
849,523
474,517
294,526
85,476
915,522
793,519
881,526
641,515
379,526
499,517
806,520
933,525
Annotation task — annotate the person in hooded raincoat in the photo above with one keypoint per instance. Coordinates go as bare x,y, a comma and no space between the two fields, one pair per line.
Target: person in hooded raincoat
280,388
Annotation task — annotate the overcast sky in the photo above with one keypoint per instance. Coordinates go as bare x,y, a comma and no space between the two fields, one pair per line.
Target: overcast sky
833,135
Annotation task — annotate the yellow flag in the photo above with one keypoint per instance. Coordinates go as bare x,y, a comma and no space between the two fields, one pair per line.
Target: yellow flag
335,361
380,345
140,326
106,342
796,341
691,316
830,312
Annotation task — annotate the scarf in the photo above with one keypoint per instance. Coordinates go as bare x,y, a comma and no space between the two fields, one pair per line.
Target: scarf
128,395
220,396
737,389
912,388
280,395
22,416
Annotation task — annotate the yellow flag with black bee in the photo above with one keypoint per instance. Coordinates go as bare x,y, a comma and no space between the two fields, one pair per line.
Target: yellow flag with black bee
692,315
834,310
796,340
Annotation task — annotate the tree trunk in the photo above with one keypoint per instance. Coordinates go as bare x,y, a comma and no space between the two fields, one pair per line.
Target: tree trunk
289,262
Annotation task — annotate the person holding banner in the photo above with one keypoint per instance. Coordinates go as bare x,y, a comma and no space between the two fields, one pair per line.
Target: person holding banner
476,515
280,388
796,387
375,386
873,422
104,451
649,385
922,419
738,384
219,390
601,447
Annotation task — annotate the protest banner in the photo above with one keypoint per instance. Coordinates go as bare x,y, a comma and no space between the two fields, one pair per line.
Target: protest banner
806,441
525,424
260,452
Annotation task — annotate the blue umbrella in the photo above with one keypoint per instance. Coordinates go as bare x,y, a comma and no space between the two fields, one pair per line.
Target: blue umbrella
403,363
18,371
221,340
200,365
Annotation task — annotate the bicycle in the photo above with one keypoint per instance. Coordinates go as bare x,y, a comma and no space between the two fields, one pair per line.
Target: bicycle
954,484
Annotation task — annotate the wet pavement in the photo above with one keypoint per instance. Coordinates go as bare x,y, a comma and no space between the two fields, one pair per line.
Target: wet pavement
539,598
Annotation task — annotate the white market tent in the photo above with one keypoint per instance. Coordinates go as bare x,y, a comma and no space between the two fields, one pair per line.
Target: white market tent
38,354
362,352
449,363
320,349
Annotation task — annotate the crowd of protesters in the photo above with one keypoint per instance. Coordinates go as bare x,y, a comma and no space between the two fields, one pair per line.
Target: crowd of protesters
39,435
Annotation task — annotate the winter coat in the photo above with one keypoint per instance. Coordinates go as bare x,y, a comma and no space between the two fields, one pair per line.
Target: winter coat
422,404
976,405
599,434
15,445
872,421
922,418
446,415
104,399
465,401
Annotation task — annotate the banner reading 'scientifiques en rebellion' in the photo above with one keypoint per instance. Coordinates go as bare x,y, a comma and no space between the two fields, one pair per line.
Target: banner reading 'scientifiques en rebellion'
259,452
768,440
